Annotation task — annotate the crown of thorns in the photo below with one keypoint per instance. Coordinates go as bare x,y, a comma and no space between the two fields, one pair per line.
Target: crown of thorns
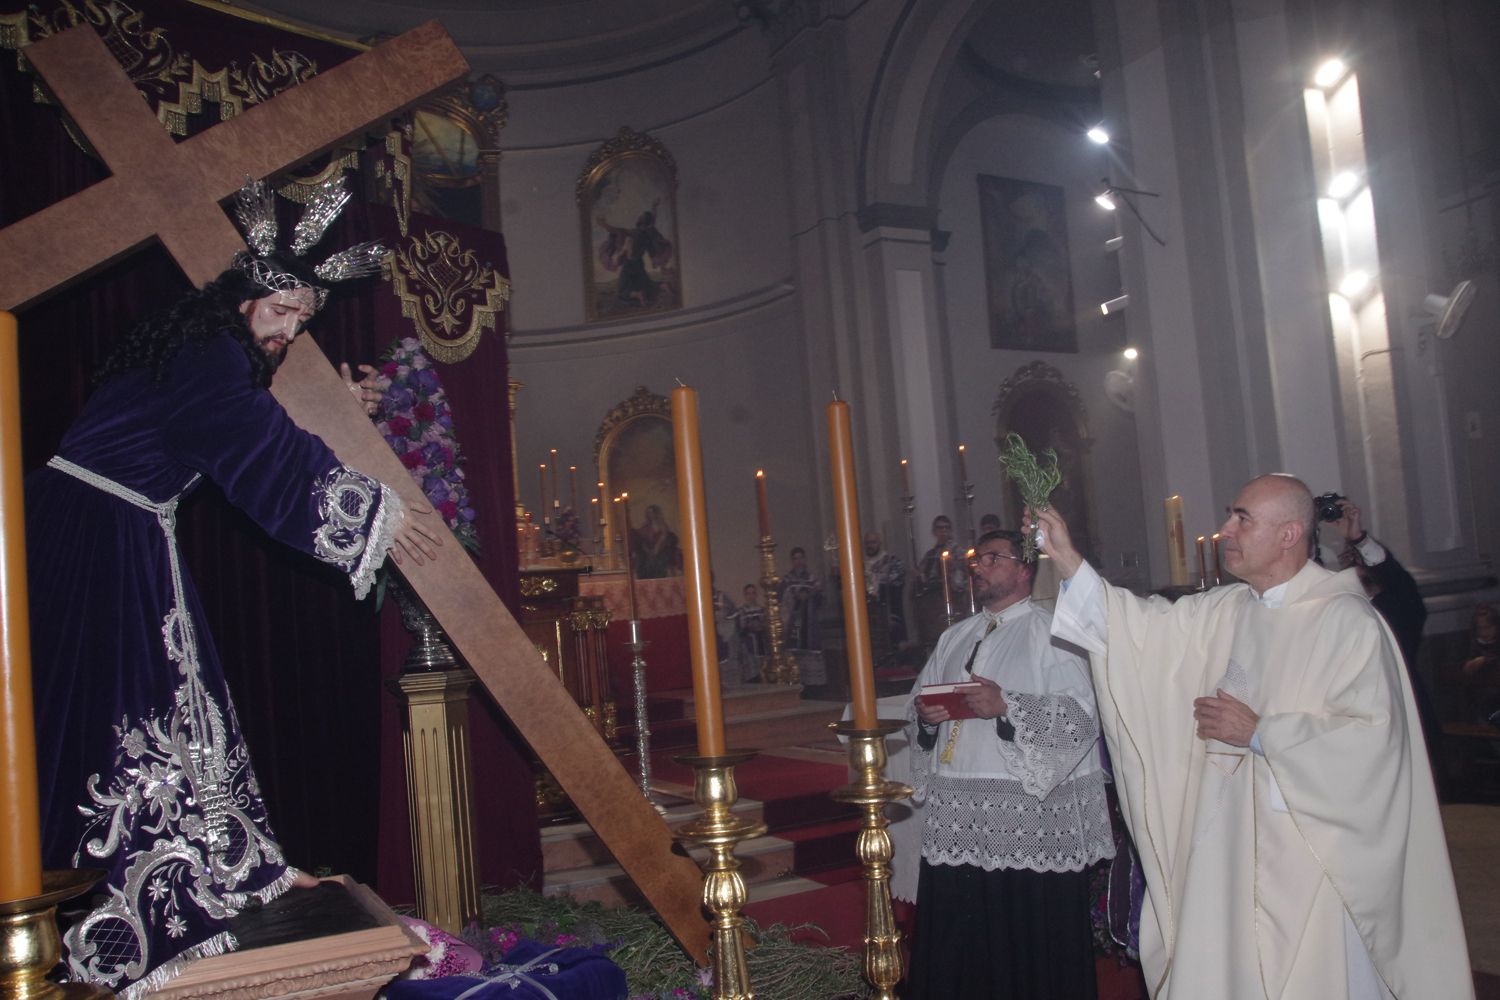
255,206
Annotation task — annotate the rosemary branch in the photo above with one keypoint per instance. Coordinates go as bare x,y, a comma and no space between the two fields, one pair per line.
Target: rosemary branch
1036,479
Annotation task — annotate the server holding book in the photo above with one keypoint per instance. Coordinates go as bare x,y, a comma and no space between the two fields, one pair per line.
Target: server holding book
1006,770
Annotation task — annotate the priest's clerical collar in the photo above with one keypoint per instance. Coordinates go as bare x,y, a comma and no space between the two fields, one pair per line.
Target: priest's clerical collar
1274,597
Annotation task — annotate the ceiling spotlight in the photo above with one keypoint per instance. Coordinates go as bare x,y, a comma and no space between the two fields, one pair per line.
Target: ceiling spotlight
1345,184
1097,134
1330,73
1131,354
1354,283
1104,200
1115,305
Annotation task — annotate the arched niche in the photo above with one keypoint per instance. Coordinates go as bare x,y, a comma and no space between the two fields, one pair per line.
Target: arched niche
633,454
1046,411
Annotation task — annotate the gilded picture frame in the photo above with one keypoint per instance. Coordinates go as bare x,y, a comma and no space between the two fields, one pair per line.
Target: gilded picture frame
634,454
627,211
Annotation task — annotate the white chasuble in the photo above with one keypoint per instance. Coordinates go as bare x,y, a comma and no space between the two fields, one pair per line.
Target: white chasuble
1255,864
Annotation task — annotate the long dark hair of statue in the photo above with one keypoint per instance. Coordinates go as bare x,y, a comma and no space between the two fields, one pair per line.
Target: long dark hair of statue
196,317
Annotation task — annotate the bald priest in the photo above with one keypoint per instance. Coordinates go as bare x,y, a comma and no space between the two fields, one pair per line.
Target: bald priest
1272,773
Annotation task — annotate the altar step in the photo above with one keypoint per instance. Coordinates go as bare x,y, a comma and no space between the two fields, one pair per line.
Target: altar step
808,831
768,716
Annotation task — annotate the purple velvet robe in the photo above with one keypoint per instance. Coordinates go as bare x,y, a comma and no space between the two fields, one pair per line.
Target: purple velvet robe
144,771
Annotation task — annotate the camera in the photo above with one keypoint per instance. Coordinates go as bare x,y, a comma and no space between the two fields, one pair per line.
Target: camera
1327,506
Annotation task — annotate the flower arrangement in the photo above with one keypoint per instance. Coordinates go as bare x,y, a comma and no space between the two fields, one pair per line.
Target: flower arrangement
417,423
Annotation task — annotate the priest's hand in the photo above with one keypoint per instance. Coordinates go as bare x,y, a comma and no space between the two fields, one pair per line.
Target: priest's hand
369,390
1225,718
989,701
414,540
1056,541
931,715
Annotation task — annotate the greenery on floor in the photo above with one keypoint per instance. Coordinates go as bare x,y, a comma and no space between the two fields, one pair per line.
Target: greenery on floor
655,967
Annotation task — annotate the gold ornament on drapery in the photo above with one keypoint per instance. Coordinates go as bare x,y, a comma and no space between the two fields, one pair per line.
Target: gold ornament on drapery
448,293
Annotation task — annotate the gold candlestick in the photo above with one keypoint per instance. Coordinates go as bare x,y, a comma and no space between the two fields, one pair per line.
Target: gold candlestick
719,829
871,793
29,942
779,668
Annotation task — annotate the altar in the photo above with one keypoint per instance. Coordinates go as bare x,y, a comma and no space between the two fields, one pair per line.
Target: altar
663,613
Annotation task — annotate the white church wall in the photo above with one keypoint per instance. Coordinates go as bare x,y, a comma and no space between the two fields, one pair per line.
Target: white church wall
1032,149
737,338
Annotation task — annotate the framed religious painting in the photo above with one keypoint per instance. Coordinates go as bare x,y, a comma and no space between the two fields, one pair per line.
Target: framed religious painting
1028,273
627,210
634,453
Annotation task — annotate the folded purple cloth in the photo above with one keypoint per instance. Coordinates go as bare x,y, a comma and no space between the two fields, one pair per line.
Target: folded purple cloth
529,971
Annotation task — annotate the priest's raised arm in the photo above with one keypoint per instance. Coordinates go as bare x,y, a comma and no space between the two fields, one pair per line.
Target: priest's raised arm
1271,772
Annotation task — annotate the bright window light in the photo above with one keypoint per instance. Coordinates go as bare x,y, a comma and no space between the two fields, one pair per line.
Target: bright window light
1353,284
1330,72
1344,185
1097,134
1131,354
1103,200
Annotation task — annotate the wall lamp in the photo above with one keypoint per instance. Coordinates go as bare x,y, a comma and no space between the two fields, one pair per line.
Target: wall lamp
1115,305
1113,194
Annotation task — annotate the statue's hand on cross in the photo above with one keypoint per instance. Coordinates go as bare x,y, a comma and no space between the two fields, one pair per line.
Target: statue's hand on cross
369,390
414,540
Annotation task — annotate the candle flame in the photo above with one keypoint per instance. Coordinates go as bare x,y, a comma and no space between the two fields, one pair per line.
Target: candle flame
1200,539
760,473
962,447
903,461
572,468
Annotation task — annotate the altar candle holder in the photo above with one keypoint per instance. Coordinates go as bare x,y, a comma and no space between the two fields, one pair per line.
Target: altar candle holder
30,946
779,668
871,793
724,894
637,647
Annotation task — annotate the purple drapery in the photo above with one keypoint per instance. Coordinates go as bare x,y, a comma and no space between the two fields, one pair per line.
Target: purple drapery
305,661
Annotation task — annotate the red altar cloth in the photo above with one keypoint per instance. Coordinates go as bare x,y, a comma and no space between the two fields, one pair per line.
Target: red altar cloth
663,624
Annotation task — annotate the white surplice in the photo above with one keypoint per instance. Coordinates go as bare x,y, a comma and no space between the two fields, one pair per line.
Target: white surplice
1256,863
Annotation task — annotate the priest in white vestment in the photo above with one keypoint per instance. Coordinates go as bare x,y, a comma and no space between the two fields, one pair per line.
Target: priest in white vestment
1271,771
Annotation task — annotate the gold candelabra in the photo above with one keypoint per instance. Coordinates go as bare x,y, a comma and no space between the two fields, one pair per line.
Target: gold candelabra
719,829
29,943
779,667
872,793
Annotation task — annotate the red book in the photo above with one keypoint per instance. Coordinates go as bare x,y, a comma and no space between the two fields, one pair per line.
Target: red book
952,697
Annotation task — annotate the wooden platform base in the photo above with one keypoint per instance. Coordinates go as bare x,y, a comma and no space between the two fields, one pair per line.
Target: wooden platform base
367,948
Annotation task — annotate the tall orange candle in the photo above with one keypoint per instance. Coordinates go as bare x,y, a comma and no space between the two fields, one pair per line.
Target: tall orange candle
1202,562
573,487
697,571
624,501
905,479
20,826
963,466
851,565
1218,561
1177,564
762,505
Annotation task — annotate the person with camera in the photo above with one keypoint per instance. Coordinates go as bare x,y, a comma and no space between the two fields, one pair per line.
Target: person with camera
1269,771
1392,591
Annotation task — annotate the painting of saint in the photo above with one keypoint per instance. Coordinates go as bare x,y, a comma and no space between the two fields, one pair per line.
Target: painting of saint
629,197
1027,271
640,462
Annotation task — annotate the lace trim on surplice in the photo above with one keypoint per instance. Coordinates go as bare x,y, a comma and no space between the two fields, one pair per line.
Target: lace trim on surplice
995,823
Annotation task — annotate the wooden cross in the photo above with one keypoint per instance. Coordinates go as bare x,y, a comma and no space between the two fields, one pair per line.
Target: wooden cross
170,191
